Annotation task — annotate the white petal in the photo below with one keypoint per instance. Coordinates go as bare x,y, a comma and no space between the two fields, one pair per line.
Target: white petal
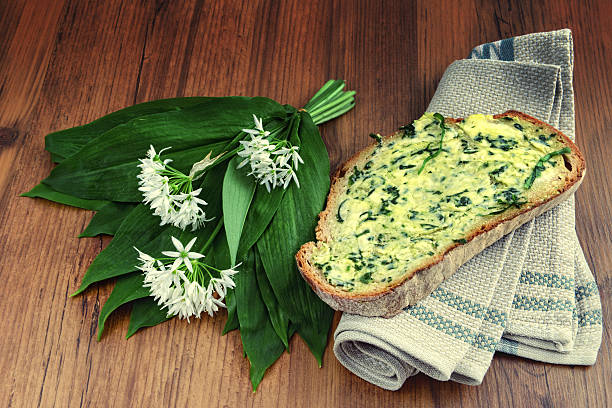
282,150
242,163
182,275
190,244
171,254
258,122
195,255
177,244
218,302
144,256
177,262
188,264
219,287
197,201
151,153
296,179
163,150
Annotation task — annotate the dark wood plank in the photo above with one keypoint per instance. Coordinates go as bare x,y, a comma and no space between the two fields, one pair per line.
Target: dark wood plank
66,63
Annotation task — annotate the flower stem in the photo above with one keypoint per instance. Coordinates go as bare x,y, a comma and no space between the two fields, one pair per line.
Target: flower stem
330,102
213,235
226,156
235,147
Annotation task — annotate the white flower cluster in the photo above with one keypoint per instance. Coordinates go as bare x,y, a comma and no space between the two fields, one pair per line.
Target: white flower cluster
178,283
273,163
169,192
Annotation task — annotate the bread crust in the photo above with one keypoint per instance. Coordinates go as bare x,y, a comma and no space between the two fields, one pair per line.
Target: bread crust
419,282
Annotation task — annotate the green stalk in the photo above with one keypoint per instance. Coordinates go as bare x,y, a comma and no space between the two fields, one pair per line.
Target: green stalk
344,99
330,102
213,235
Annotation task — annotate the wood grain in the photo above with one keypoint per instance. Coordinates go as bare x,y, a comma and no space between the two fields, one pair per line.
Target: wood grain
67,62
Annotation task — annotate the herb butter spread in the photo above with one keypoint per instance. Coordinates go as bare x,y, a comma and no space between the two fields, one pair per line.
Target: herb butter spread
421,193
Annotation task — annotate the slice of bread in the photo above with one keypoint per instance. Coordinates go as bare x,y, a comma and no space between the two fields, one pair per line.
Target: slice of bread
524,168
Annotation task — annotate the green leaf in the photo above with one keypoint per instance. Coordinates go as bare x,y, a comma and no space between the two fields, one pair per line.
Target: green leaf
264,204
292,226
108,219
232,316
238,190
106,168
46,192
145,313
141,229
67,142
278,317
262,210
57,158
127,289
259,340
219,257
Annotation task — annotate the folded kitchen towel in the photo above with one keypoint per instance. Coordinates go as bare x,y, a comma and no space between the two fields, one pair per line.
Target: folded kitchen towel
533,287
544,310
586,321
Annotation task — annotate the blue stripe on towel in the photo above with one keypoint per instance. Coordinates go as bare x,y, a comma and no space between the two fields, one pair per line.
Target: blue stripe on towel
545,304
453,329
551,280
470,307
500,50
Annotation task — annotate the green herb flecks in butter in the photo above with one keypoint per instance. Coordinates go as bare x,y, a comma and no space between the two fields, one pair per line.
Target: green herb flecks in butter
422,193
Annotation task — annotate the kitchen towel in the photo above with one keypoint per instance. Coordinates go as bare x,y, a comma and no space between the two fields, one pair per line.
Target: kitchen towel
530,294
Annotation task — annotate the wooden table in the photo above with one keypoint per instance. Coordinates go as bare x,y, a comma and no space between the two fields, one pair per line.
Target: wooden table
65,63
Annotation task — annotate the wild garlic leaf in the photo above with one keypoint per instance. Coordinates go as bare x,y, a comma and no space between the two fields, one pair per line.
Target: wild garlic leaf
108,219
232,316
65,143
433,154
44,191
145,313
218,255
293,225
262,210
259,340
127,289
278,317
264,204
238,191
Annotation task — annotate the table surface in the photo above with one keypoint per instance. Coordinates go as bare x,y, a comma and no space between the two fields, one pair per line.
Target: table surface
66,63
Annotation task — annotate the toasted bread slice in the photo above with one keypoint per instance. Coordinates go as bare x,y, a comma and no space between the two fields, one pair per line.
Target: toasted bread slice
404,244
